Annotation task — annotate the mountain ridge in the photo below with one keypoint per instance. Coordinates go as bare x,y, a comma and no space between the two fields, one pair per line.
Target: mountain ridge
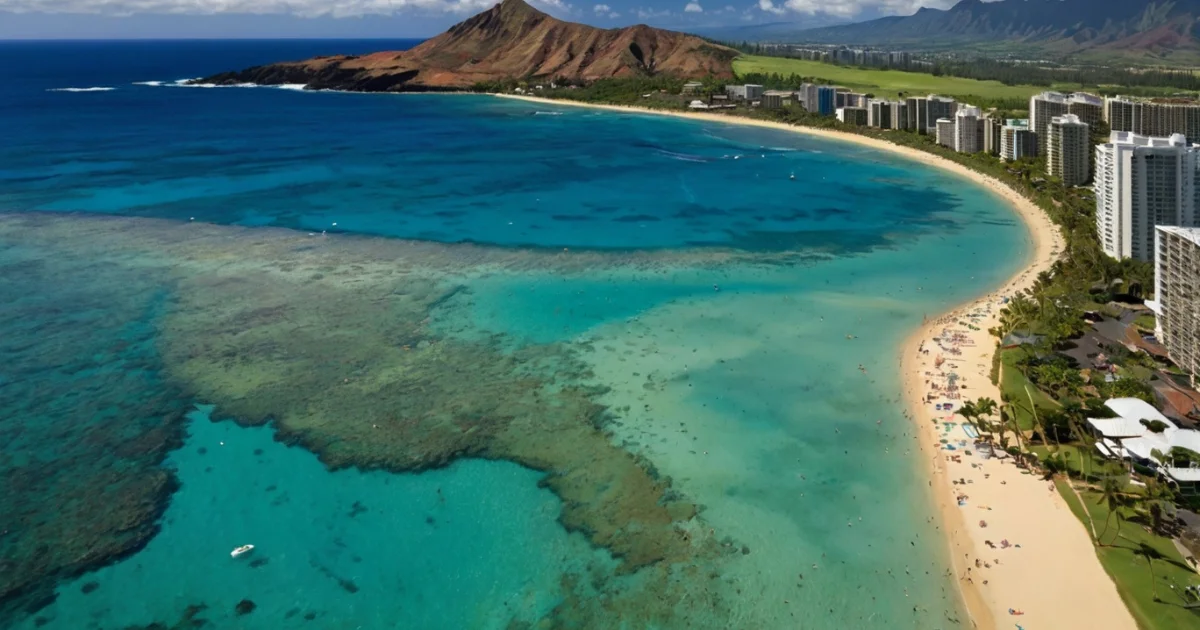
509,40
1157,28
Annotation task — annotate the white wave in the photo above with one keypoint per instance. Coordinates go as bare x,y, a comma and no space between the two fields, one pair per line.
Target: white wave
86,89
539,113
149,83
291,86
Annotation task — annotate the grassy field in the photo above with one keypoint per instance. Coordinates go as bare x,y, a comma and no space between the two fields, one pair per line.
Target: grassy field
1130,572
1013,384
886,83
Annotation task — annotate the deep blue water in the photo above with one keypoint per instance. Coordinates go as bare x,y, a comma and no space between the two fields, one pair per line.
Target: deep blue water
446,168
723,374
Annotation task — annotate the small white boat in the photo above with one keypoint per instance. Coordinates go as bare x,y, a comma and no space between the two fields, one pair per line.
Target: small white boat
241,551
793,176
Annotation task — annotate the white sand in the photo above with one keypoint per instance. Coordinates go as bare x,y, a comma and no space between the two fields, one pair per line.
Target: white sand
1054,578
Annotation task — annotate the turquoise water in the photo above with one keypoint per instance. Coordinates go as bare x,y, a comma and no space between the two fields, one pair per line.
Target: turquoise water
344,549
610,385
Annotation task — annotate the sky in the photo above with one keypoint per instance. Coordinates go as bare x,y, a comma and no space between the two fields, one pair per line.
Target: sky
91,19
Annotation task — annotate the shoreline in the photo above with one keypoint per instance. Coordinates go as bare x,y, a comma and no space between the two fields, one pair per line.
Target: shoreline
1055,578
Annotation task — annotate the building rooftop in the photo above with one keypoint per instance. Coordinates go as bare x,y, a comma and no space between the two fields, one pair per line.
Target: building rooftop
1054,97
1128,137
1190,233
1067,119
1084,97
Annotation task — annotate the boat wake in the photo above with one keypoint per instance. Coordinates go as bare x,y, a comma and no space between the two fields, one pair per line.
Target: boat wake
86,89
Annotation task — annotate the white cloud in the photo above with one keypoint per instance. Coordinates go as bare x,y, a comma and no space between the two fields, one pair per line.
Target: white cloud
646,14
693,7
601,9
769,7
303,8
850,8
614,15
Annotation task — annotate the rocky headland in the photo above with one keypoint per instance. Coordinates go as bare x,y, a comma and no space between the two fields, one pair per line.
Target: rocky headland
510,40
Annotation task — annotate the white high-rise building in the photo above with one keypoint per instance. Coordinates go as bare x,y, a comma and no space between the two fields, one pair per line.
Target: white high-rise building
968,130
1177,295
1067,150
1043,107
1143,182
944,132
1017,140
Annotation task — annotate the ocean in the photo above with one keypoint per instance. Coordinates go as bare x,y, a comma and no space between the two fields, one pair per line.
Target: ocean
453,361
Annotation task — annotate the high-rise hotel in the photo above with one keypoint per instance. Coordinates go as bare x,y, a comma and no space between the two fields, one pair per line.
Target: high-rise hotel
1067,153
1162,117
1177,295
1143,182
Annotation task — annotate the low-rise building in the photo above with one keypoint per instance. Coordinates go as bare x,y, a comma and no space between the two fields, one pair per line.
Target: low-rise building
692,87
776,99
1177,295
747,92
1141,434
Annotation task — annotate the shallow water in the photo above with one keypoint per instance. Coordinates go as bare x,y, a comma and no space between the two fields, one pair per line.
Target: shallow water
652,418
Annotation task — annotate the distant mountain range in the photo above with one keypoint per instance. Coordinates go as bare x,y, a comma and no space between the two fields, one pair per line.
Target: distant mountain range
1151,29
510,40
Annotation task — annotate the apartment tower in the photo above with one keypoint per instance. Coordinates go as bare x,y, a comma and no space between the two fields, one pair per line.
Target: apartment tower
1043,107
1177,295
1017,140
1143,182
1067,152
968,130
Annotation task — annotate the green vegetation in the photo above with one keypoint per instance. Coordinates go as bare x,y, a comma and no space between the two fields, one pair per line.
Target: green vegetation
1148,570
1016,388
990,69
888,83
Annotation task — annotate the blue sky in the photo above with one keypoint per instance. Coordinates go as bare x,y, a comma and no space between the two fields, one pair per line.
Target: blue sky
399,18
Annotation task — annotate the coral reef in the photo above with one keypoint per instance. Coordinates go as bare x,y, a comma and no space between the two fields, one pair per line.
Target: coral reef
85,418
329,340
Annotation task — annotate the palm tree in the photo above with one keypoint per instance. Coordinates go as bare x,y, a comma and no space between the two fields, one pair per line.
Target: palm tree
969,412
985,408
1150,554
1113,496
1075,413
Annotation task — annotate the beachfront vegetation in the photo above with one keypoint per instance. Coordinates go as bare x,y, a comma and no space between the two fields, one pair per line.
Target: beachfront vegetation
1149,572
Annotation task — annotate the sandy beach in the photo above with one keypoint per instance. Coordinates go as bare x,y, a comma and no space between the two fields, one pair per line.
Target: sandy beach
1015,546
